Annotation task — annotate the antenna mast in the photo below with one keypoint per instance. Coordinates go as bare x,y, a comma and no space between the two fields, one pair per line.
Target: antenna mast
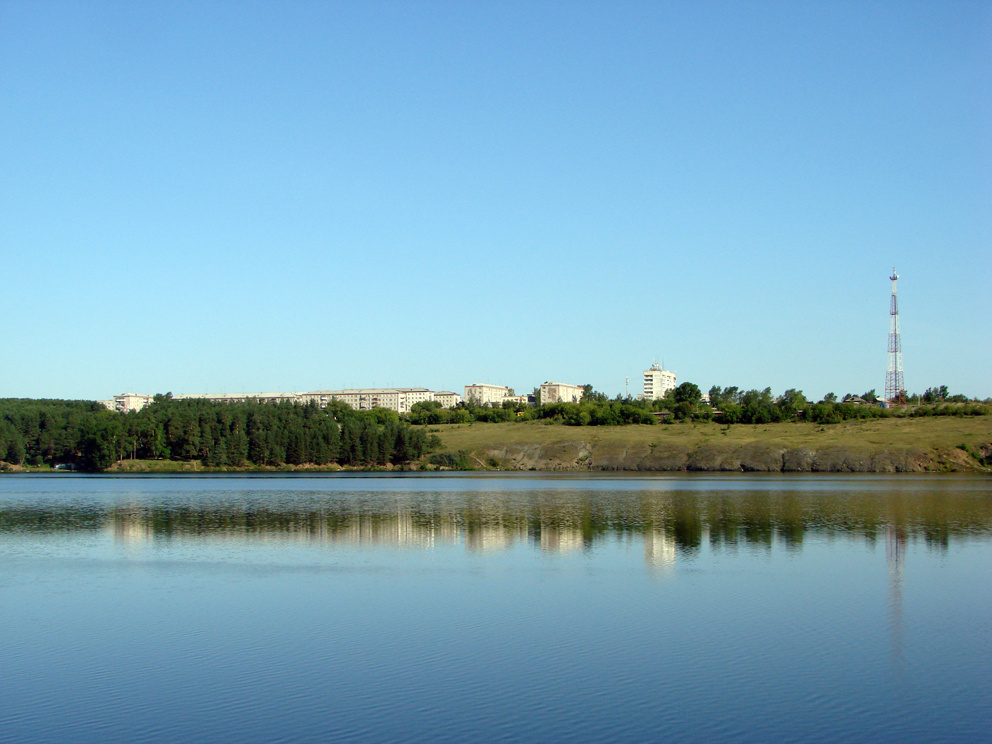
895,389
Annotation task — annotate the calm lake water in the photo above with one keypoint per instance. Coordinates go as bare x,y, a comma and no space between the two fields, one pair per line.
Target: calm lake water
513,608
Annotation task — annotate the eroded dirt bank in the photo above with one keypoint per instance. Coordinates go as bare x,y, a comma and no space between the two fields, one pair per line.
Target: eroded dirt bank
756,457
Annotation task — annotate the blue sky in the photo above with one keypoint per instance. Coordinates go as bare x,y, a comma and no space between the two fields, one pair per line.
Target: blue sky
248,197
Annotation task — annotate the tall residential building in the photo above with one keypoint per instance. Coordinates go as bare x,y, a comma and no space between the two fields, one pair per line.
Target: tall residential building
559,392
657,382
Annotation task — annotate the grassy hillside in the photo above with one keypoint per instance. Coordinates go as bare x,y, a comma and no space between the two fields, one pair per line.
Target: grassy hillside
933,443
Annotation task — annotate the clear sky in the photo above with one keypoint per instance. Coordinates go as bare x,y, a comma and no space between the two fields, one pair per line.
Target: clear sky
276,196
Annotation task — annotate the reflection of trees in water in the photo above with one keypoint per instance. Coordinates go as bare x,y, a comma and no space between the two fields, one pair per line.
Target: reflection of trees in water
686,525
555,521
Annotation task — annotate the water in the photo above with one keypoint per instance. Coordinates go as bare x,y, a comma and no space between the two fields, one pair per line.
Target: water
512,608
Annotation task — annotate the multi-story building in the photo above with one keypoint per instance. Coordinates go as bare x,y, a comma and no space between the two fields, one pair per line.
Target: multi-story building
127,402
365,399
242,397
447,399
657,382
361,399
559,392
411,396
400,400
482,394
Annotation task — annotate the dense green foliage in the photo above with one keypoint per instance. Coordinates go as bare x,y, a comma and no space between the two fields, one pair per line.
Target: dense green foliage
592,411
40,431
88,436
761,407
727,405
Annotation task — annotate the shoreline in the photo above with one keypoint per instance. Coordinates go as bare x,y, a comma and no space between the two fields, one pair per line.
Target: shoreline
921,445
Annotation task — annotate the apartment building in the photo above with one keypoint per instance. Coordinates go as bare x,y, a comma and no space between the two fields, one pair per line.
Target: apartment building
400,400
559,392
657,382
411,396
447,399
127,402
241,397
481,394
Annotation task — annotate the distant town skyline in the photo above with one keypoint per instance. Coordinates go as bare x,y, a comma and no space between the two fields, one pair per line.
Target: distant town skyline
299,196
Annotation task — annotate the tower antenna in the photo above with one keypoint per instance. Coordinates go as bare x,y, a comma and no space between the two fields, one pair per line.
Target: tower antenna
895,389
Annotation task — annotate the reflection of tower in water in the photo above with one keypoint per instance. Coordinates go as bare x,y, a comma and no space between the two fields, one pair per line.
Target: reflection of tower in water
895,555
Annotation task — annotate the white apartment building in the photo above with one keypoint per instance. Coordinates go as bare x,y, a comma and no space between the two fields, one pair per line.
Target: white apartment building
482,394
447,399
365,399
559,392
361,399
400,400
412,396
241,397
657,382
127,402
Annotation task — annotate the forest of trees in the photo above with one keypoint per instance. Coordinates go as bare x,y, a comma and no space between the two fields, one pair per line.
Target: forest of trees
87,436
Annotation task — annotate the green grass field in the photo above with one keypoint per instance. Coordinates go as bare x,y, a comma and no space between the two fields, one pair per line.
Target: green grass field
942,432
944,435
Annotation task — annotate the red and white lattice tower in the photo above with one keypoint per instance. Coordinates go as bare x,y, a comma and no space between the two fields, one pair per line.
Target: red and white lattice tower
895,389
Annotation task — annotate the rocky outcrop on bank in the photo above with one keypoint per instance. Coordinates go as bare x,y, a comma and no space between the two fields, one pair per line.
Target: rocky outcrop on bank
752,457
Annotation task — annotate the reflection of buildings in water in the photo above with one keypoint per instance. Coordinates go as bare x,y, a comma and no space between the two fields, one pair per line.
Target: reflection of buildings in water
660,550
895,555
397,531
669,526
556,539
491,537
400,530
130,526
134,525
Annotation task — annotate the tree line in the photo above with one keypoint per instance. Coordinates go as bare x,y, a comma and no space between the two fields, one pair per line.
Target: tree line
87,436
761,407
730,405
